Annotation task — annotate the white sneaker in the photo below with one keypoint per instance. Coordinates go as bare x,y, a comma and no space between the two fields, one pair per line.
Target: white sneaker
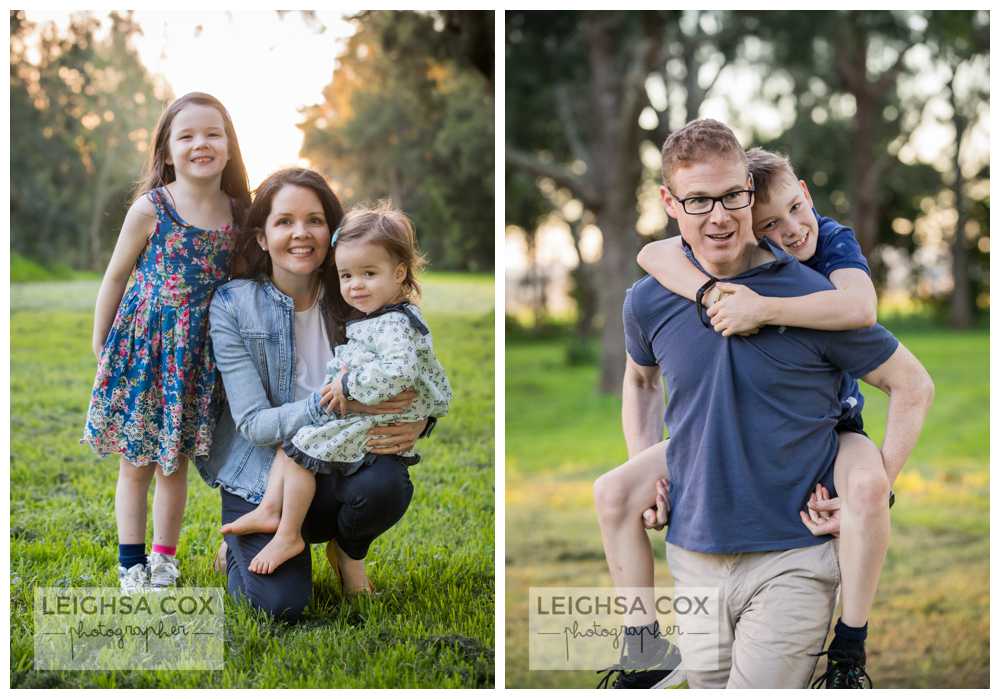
163,571
134,580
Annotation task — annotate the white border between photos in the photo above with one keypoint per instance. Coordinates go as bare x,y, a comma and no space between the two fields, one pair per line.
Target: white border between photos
499,362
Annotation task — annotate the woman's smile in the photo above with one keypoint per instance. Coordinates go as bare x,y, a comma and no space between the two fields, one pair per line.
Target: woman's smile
296,235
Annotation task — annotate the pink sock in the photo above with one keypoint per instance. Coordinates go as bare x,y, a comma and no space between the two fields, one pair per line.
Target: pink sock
166,550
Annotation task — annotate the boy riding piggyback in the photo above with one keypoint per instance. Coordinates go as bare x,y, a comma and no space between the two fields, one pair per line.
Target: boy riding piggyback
783,212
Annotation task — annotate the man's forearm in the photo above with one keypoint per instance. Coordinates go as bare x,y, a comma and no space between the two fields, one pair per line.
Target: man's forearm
642,423
911,391
907,411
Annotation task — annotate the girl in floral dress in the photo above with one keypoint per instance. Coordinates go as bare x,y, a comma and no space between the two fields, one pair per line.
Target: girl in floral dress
151,401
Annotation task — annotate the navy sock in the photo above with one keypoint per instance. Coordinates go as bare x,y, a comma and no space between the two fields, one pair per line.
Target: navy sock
849,637
131,554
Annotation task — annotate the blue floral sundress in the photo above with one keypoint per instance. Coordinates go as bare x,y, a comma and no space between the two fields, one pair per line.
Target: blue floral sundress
153,396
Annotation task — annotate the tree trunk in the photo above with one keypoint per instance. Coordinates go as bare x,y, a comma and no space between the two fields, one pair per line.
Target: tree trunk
584,288
396,187
961,303
617,265
960,315
617,268
863,196
851,58
616,101
101,194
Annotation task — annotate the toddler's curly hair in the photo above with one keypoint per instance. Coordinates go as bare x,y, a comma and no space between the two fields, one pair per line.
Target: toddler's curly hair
389,227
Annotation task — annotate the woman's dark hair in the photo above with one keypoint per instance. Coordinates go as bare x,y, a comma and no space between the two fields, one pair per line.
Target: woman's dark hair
250,262
159,173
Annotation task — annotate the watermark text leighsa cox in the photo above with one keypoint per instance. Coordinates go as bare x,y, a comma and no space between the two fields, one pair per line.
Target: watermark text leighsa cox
103,629
584,628
597,604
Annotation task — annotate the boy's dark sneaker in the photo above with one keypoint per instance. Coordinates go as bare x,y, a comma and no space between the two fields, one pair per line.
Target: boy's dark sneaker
642,673
844,670
631,679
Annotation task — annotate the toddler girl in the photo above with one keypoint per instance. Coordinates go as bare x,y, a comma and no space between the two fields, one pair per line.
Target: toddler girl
151,401
388,350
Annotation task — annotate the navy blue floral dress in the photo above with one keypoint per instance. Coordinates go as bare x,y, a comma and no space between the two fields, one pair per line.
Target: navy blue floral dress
152,398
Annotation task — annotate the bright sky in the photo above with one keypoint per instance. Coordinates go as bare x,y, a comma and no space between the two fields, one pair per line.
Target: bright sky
262,67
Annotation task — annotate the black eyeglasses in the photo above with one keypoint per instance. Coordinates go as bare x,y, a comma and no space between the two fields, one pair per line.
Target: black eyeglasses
731,201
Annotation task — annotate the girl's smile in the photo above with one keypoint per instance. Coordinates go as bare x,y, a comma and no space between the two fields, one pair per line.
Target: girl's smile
198,145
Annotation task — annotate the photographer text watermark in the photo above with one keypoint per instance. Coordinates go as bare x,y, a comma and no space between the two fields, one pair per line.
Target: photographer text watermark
588,628
98,628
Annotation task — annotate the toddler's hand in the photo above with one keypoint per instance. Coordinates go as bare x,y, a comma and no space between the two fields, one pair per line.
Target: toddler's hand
332,397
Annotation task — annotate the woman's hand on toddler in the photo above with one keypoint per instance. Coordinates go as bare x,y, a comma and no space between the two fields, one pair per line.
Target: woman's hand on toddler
396,404
394,439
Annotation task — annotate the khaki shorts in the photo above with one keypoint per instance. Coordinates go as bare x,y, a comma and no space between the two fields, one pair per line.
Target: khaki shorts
774,614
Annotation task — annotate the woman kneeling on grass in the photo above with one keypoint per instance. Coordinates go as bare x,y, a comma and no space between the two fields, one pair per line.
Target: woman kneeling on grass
273,334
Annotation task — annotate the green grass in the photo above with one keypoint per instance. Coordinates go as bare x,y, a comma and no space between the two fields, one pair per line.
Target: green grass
930,624
23,269
431,626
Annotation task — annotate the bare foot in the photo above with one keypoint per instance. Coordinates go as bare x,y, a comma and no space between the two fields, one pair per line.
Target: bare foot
353,578
278,550
263,519
219,564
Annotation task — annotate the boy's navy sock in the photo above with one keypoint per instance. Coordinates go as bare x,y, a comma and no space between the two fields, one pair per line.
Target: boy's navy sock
131,554
849,637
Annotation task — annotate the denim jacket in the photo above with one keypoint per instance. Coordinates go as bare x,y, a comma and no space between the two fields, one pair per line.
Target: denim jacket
251,325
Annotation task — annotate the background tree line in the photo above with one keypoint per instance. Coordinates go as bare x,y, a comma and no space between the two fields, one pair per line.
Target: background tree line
843,93
83,108
408,115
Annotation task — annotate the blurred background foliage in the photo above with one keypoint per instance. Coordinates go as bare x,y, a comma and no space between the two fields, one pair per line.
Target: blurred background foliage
82,115
408,115
884,114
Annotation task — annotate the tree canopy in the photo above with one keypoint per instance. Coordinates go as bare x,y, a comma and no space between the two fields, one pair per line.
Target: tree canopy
851,96
82,108
408,116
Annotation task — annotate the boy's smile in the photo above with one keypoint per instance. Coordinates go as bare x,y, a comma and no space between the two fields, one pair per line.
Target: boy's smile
787,218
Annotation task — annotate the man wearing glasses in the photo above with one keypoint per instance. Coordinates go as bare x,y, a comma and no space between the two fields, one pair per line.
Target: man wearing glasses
751,422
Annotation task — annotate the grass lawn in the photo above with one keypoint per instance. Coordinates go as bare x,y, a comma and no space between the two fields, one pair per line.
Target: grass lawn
930,624
431,626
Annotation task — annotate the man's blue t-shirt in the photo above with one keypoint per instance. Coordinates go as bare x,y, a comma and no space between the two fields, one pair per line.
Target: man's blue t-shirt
838,248
751,419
